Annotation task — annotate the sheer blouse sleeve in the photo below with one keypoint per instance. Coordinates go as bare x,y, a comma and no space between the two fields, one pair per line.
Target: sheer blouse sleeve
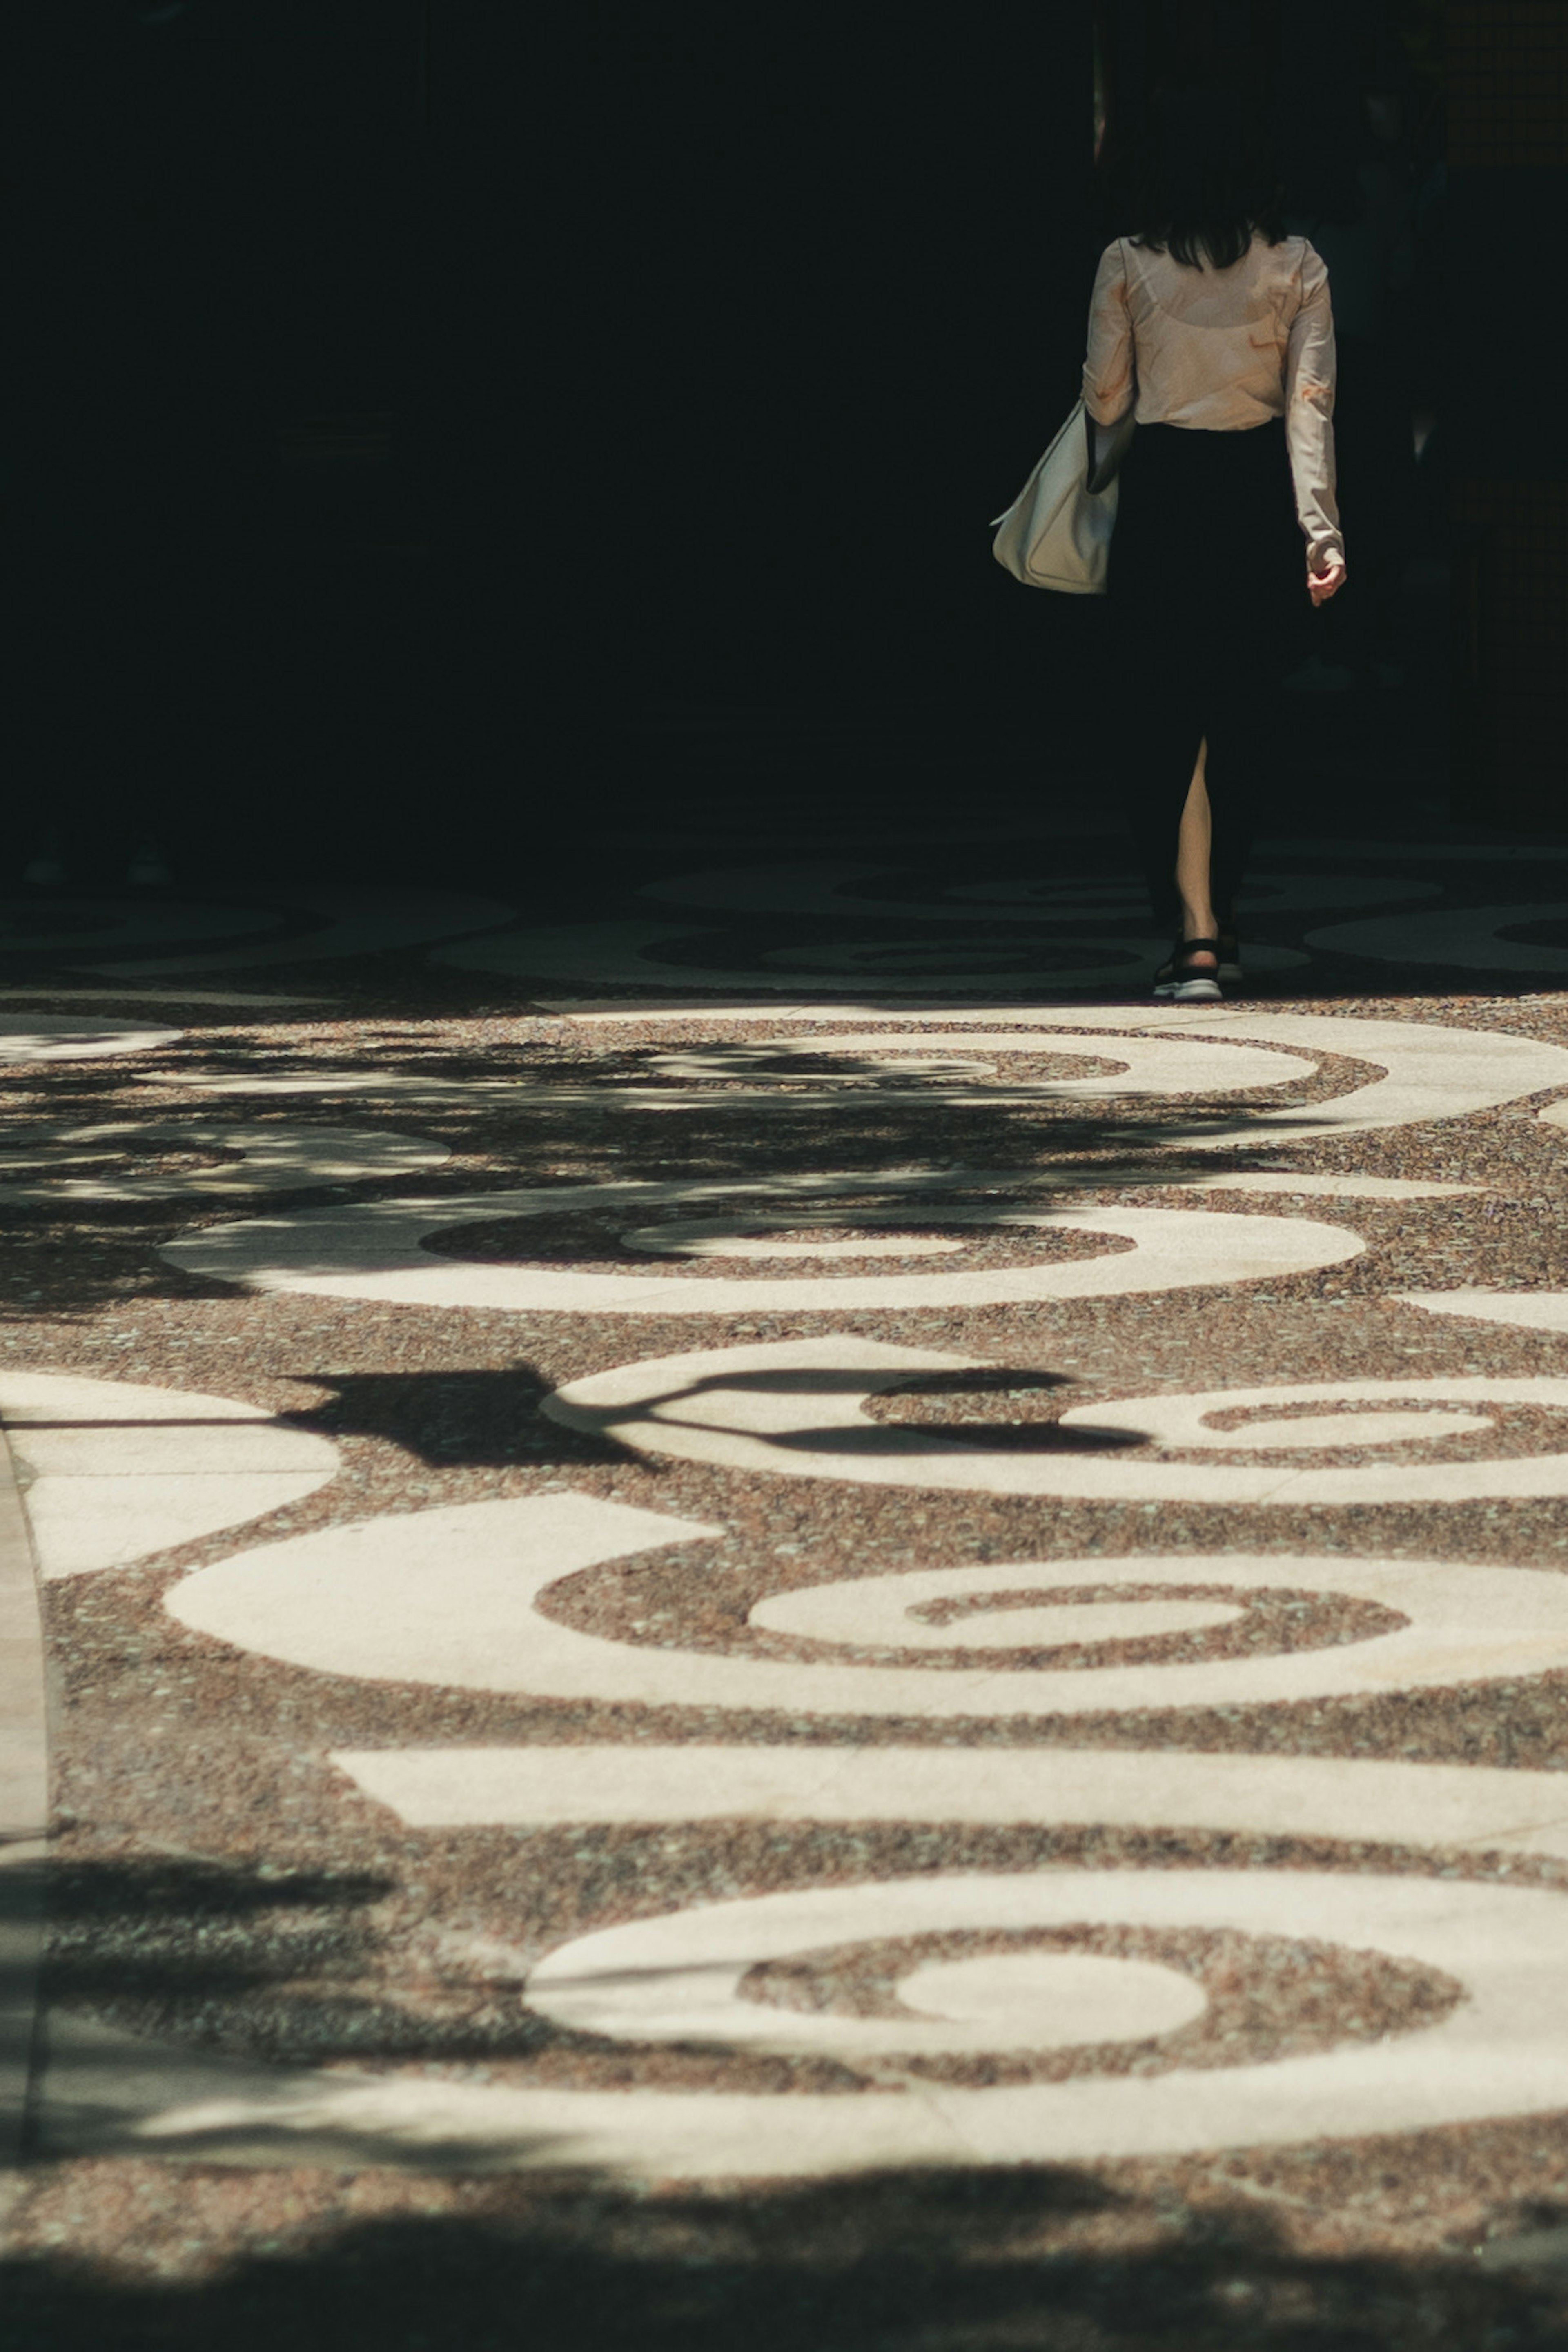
1309,378
1110,370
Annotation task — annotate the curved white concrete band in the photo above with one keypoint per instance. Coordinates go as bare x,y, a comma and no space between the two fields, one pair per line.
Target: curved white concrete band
1328,1188
824,887
892,1612
352,919
660,1981
58,1037
94,925
1515,1310
371,1250
374,1085
615,952
1048,2000
1430,1070
274,1158
453,1588
994,958
677,1976
453,1596
1157,1065
1467,936
398,1090
117,1469
795,1407
744,1236
767,1237
1502,2051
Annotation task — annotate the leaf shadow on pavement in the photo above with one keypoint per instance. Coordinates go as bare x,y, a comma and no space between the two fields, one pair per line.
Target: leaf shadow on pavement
927,2261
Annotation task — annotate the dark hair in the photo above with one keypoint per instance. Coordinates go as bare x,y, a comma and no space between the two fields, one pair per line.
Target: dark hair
1202,179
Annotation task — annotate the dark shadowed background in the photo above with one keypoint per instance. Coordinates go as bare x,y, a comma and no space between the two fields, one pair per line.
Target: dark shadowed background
445,435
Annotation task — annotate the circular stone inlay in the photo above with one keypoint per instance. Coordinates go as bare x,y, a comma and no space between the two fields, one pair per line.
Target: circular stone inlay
1055,2000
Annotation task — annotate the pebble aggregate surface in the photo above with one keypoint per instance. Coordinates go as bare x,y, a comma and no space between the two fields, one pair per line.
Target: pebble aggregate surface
733,1628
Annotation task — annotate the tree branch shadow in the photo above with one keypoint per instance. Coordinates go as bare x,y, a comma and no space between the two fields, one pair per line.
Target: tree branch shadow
938,2261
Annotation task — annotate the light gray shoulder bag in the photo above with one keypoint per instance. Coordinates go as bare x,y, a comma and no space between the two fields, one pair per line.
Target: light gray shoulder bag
1056,532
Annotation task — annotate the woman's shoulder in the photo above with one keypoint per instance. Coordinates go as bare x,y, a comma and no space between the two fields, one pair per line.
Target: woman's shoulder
1130,256
1112,271
1296,254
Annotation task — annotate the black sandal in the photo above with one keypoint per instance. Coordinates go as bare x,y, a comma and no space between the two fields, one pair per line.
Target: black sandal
1184,983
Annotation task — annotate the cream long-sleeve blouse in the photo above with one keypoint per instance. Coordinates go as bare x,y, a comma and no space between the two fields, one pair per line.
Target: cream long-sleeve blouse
1223,350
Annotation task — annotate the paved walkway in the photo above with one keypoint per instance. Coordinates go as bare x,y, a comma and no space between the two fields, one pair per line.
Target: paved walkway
775,1620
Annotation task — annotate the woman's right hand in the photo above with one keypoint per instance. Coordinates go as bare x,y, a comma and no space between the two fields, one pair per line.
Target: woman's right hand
1321,586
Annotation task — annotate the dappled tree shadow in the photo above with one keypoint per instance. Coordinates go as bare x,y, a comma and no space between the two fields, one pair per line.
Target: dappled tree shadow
933,2262
151,1927
251,2236
168,1984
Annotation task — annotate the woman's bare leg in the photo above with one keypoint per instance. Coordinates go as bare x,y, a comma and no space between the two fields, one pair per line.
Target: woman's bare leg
1192,845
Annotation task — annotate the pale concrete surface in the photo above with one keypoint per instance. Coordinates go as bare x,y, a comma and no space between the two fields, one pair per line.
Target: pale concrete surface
24,1813
1085,1742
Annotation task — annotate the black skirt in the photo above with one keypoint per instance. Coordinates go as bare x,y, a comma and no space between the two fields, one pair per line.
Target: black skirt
1206,590
1206,556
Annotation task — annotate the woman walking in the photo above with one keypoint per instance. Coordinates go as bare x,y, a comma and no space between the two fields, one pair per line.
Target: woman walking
1215,330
